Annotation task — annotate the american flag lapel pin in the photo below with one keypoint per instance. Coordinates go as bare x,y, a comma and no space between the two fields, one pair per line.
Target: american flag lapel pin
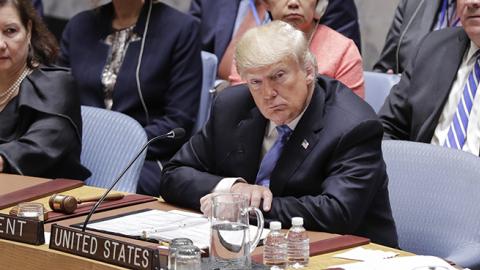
305,144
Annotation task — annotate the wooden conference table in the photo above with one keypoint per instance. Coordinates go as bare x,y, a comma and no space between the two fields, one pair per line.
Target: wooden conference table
15,255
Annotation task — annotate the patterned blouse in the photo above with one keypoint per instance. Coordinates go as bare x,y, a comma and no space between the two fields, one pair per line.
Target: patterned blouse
118,41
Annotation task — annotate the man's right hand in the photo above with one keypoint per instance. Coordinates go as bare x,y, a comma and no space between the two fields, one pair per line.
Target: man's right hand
206,204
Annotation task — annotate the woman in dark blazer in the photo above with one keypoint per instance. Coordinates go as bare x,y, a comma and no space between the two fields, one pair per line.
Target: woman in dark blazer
142,59
40,130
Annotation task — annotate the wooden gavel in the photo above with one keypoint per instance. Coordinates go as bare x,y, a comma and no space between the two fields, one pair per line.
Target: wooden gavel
68,204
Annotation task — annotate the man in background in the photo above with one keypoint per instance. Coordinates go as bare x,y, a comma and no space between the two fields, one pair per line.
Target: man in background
413,20
436,100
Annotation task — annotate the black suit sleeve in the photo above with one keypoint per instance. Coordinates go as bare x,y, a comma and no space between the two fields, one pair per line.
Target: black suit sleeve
354,174
188,176
388,57
396,112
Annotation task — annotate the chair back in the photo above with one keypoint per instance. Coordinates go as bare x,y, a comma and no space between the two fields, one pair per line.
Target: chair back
435,199
377,87
110,140
209,65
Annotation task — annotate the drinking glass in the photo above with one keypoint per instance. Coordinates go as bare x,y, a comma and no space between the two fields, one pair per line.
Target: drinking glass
188,257
174,244
31,210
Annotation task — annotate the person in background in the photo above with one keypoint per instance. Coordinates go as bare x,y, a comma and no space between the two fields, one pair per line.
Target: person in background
296,144
436,100
413,20
57,13
40,130
142,59
221,21
38,5
338,57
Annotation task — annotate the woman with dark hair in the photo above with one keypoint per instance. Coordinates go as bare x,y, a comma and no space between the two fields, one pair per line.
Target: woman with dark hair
40,131
141,58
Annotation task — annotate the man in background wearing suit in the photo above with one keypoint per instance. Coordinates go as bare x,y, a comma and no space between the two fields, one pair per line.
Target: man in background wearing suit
413,20
435,101
296,144
221,19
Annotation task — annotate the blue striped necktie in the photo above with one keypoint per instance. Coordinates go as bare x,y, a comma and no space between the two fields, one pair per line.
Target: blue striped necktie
270,159
457,131
447,15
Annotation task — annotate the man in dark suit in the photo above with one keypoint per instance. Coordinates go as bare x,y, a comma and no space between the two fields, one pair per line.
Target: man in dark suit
296,145
423,107
218,20
413,20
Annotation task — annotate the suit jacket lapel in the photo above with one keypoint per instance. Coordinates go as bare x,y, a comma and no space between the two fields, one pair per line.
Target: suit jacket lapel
452,54
302,141
249,139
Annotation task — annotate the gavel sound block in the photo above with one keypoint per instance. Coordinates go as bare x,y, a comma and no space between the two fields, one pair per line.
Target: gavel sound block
68,204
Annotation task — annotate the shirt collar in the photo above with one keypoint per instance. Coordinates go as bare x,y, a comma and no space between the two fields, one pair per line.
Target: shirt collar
292,125
472,52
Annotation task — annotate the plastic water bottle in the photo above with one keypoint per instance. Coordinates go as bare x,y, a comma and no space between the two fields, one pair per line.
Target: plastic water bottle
298,244
275,248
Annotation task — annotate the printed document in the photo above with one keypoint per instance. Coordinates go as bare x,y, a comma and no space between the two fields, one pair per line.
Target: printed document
163,226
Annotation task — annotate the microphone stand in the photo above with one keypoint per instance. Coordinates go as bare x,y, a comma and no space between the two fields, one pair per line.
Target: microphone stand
176,133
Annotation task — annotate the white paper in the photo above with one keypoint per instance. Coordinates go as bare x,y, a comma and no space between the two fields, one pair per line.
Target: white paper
164,226
400,263
363,254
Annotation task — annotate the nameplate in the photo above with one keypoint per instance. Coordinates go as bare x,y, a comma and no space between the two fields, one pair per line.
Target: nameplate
21,229
105,249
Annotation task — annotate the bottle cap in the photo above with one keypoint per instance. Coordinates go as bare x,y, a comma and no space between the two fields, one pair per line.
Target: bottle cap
275,225
297,221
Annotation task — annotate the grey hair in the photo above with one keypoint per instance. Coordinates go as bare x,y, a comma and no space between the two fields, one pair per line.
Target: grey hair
271,43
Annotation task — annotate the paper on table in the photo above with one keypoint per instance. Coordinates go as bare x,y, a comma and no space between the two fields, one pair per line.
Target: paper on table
164,226
401,263
363,254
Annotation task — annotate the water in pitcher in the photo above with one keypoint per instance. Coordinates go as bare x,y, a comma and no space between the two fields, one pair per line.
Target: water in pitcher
230,246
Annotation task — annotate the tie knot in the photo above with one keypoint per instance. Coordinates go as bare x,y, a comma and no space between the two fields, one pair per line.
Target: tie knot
284,131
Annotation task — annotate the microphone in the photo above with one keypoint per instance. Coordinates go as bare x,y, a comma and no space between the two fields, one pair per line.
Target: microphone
176,133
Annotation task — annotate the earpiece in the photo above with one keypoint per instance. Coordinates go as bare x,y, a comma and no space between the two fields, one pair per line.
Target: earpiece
320,9
139,63
402,35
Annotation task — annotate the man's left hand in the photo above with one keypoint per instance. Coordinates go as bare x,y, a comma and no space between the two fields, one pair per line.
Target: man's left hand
255,194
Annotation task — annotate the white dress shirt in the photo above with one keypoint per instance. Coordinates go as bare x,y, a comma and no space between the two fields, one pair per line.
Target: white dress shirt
472,141
269,139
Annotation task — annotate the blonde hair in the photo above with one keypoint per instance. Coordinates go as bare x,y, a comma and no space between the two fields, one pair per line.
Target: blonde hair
271,43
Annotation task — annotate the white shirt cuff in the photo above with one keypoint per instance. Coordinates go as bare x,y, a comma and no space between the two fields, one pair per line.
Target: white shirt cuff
226,184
